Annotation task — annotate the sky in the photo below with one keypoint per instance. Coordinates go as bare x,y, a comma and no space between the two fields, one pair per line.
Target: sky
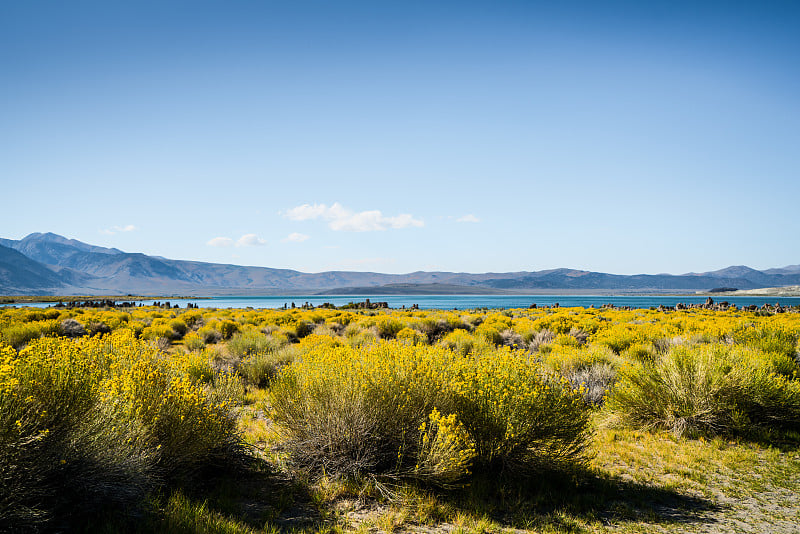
397,136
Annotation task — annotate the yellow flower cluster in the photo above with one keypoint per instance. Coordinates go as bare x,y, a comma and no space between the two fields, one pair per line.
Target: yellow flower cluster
500,406
56,381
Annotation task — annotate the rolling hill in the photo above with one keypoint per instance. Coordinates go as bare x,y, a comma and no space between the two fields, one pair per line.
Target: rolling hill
50,264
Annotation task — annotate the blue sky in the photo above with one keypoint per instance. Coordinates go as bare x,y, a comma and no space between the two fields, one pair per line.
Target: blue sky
624,137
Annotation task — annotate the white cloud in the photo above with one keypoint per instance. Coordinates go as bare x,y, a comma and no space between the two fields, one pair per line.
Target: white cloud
470,218
250,240
295,237
342,219
307,212
116,229
247,240
220,242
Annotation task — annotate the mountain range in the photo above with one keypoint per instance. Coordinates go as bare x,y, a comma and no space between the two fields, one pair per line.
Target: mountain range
49,264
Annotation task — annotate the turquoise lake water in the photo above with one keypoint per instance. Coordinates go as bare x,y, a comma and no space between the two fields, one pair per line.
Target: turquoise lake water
461,302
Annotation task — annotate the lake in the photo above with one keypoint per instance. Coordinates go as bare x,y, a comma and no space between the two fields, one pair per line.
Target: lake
449,302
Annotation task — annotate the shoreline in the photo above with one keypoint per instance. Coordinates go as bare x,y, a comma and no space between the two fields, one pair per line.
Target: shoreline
43,299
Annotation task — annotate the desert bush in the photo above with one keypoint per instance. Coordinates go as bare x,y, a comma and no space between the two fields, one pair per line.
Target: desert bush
190,430
459,341
193,342
251,342
539,339
593,381
179,328
411,337
365,337
435,328
521,417
197,366
155,332
777,341
18,334
136,327
64,452
100,421
192,318
97,327
640,352
489,333
566,340
509,338
617,338
567,360
163,344
558,323
388,327
227,328
71,328
707,389
353,411
324,329
580,335
303,328
260,367
209,334
352,330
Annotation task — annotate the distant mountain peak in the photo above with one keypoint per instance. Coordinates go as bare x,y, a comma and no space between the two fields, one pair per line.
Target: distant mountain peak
51,262
50,237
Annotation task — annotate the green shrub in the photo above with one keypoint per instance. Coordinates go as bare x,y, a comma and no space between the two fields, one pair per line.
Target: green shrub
259,368
766,339
18,334
250,342
707,389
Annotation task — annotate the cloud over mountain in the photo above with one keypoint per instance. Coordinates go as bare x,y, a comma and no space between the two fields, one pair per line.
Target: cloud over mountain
340,218
247,240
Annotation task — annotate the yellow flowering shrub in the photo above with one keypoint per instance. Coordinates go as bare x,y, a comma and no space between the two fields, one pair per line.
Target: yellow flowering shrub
459,341
518,415
353,411
445,452
100,419
17,334
410,336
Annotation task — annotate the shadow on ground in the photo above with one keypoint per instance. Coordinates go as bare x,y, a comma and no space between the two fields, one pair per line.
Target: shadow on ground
566,500
257,498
